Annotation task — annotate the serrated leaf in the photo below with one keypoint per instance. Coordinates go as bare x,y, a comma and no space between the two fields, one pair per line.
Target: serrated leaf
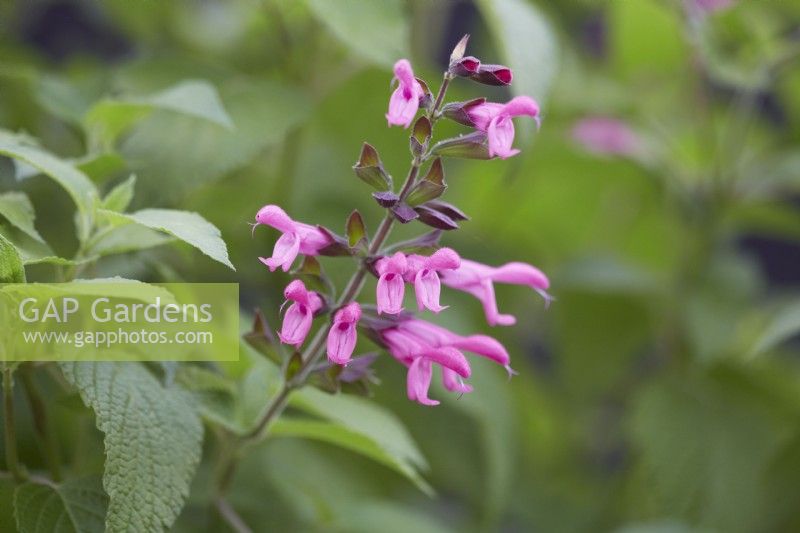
18,210
187,226
366,418
107,119
75,506
11,268
76,183
356,231
123,239
153,440
377,30
119,198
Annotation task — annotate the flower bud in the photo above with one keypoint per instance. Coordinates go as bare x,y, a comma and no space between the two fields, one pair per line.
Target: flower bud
460,111
465,67
493,75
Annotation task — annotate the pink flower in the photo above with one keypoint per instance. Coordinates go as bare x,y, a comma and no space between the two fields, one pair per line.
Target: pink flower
297,238
418,344
422,272
342,335
297,320
478,280
391,287
605,135
495,120
404,102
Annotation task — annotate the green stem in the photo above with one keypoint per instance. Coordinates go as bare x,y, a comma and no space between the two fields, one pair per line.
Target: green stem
12,459
41,424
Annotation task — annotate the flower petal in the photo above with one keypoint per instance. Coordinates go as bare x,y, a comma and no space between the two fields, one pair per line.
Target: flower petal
501,137
419,381
428,288
453,383
284,253
341,342
296,324
390,293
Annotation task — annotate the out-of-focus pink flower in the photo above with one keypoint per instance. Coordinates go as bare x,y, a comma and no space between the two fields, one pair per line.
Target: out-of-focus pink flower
605,135
342,335
391,287
297,238
418,344
478,279
710,6
404,102
423,273
496,120
298,317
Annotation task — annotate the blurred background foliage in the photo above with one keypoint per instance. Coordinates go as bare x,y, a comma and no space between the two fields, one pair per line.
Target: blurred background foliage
659,393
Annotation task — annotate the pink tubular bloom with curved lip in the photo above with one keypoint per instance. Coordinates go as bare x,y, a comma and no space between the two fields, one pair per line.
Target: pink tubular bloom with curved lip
478,279
496,120
297,238
423,272
391,287
299,315
414,340
404,102
342,335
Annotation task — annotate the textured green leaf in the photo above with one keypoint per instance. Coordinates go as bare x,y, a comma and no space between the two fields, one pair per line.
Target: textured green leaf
77,184
377,30
364,417
189,227
18,210
75,506
194,98
11,269
129,238
153,442
119,198
527,44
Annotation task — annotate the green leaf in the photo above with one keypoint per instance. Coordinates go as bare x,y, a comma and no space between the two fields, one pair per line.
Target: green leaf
343,437
782,325
195,98
526,42
77,184
75,506
366,418
172,153
153,440
119,198
369,169
123,239
18,210
11,269
432,186
356,231
376,30
189,227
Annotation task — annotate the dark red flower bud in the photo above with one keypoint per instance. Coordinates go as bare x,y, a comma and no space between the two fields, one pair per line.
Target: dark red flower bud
493,75
465,67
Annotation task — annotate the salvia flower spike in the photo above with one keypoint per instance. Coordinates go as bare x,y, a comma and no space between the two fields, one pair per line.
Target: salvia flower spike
423,347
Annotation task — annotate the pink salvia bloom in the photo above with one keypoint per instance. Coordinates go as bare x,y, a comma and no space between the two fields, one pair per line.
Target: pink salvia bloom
298,317
297,238
478,280
418,381
423,272
605,135
342,335
414,340
496,120
391,287
404,102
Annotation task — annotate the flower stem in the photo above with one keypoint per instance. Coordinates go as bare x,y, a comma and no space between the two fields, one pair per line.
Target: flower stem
314,351
12,459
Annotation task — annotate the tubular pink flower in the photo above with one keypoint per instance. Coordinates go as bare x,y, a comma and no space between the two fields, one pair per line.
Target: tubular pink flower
478,279
297,238
423,272
404,102
414,340
342,335
605,135
418,381
496,120
391,287
299,315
